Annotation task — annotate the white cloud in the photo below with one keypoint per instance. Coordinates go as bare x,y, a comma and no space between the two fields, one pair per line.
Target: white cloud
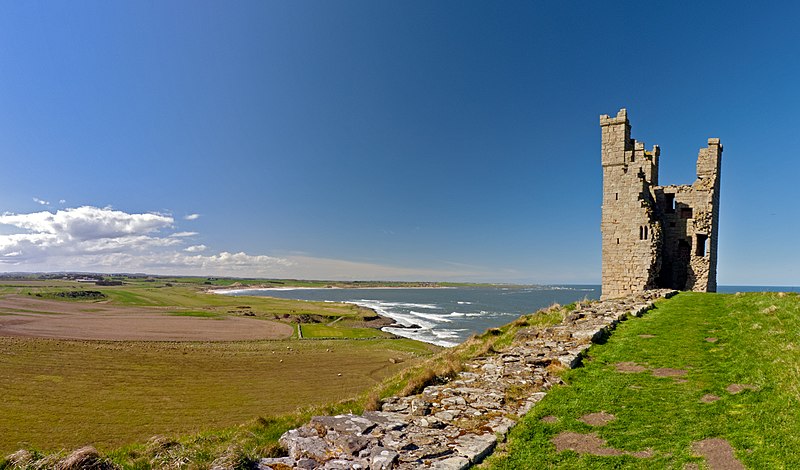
104,239
191,217
87,223
41,201
80,231
62,201
183,234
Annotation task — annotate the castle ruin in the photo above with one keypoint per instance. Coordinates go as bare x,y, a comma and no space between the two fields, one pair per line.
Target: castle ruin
656,236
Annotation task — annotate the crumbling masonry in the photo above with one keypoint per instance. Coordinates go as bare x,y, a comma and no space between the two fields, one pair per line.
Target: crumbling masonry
656,236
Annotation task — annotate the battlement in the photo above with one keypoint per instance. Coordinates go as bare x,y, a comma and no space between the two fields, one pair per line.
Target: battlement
655,236
621,118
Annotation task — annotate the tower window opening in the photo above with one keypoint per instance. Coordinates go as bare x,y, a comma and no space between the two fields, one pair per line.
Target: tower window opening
645,232
616,196
641,233
700,249
669,203
686,212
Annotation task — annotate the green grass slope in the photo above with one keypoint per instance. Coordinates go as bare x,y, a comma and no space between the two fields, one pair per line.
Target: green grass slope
718,340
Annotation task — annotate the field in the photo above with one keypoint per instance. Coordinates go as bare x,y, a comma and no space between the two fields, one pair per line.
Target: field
130,364
64,394
702,375
163,310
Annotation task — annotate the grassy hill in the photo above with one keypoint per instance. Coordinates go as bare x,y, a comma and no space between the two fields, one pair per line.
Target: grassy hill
700,367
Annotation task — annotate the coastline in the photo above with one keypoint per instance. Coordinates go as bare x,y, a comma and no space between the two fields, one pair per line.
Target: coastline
444,316
379,321
234,290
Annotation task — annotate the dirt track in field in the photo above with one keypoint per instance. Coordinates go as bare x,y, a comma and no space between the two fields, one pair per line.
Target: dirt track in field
40,318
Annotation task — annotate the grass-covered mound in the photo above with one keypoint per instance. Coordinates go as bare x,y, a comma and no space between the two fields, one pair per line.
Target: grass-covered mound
699,375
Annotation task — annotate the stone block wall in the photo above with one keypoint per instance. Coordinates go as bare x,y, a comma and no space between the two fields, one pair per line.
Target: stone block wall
631,232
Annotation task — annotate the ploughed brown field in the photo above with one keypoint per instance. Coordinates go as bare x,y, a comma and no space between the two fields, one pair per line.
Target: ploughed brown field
43,318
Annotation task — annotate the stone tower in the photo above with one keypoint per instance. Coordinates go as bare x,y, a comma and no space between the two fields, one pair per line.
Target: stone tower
656,236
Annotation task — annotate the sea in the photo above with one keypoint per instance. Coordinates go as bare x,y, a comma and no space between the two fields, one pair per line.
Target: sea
444,315
447,316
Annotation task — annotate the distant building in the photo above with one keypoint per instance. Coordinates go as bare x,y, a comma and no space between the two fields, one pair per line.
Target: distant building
656,236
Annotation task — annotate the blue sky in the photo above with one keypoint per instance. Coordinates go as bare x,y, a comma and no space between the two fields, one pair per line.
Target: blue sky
391,140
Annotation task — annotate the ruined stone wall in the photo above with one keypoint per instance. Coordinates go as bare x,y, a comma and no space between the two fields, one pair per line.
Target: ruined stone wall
690,217
631,233
655,236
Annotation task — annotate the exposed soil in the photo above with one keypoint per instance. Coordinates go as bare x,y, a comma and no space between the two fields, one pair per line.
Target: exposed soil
549,419
31,317
647,336
718,454
583,444
711,340
591,444
598,419
709,398
733,389
668,372
629,367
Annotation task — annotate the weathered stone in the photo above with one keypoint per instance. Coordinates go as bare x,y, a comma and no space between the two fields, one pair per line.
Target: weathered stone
305,447
307,464
386,420
570,360
341,464
383,459
452,463
501,425
277,463
457,400
350,444
430,422
448,415
342,423
475,447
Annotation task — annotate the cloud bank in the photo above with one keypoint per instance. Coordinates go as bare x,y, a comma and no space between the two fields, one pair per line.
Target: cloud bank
89,238
103,239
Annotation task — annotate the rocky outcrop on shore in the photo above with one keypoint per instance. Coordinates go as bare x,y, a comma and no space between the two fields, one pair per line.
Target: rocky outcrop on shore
457,424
